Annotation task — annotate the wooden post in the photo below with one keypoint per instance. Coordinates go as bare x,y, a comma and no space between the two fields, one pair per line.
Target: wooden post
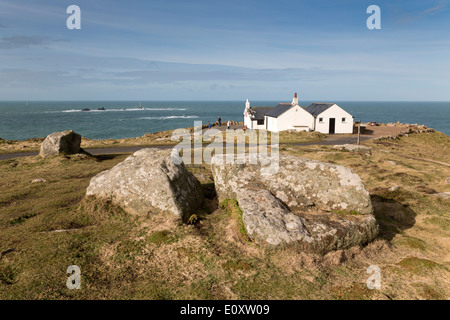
359,132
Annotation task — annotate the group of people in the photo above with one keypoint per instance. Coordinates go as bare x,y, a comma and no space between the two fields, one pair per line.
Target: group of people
219,123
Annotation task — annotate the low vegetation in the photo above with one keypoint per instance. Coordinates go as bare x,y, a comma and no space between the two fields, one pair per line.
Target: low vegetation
47,226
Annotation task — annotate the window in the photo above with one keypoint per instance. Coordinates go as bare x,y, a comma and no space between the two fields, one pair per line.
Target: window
343,119
320,119
260,122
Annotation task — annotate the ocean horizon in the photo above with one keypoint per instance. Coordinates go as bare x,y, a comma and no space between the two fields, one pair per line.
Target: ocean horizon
22,120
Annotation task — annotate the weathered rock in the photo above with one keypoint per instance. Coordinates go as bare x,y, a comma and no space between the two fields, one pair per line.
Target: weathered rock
267,219
316,206
390,162
149,181
443,195
66,142
299,183
353,148
39,180
394,188
447,180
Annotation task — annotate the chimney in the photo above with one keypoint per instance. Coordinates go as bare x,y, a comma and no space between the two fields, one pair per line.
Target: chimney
295,100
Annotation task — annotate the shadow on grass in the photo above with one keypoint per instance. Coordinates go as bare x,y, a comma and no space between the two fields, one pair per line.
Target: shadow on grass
102,157
392,216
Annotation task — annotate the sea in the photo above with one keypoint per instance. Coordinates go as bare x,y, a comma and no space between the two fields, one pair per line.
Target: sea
20,120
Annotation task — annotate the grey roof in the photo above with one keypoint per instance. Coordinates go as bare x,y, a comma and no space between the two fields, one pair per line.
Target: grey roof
277,111
317,108
259,112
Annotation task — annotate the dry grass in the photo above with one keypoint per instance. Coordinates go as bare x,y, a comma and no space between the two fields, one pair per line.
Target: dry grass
51,226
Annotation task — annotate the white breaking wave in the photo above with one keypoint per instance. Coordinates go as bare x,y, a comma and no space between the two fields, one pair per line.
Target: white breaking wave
169,117
120,110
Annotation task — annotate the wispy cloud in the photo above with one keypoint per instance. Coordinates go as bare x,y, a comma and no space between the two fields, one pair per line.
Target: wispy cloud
16,42
414,16
439,7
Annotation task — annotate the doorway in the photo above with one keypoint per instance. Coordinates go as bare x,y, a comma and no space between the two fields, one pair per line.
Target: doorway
332,127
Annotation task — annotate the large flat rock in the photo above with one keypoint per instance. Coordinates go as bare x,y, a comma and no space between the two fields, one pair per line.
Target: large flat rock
315,206
150,181
301,184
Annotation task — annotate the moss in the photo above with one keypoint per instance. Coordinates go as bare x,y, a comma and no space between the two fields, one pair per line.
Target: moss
232,207
346,213
161,237
412,242
236,265
418,265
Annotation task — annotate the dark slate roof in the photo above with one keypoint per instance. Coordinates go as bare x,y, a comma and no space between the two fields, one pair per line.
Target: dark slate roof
277,111
317,108
259,112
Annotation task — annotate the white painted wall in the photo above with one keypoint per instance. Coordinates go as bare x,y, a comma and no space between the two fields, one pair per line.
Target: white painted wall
296,118
256,126
338,113
247,121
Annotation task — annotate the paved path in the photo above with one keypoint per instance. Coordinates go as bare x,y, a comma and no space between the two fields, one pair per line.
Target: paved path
97,151
330,140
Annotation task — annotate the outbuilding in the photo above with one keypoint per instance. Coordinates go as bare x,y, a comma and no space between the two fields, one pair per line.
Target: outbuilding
329,118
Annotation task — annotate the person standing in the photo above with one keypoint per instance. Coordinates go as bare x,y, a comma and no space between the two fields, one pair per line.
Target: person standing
228,124
219,121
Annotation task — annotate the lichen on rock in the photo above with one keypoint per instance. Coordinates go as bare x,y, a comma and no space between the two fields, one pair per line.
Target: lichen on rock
304,203
150,181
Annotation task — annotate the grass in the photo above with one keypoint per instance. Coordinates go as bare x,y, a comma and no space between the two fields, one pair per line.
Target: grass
46,227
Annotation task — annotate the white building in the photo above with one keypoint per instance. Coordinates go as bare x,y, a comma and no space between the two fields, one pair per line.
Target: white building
327,118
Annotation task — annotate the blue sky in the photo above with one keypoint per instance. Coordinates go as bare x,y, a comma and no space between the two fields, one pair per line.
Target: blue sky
224,50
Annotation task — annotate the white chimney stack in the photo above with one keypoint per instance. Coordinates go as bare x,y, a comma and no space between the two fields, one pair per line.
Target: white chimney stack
295,100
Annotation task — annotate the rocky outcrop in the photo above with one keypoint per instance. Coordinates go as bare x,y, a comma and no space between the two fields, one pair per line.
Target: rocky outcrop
301,184
315,206
149,181
353,148
66,142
